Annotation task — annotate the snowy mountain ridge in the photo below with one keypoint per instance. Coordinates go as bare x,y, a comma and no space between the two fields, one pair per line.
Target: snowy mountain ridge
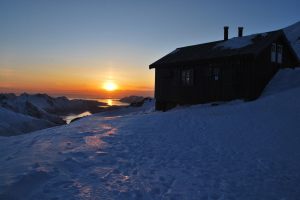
51,104
44,109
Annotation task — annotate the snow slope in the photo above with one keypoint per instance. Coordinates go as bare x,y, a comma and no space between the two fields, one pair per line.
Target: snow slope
283,81
13,123
293,34
232,151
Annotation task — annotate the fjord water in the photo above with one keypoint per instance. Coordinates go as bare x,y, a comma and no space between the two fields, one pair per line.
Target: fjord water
110,102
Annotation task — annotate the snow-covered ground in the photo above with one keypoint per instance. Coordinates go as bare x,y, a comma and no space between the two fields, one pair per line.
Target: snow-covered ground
236,151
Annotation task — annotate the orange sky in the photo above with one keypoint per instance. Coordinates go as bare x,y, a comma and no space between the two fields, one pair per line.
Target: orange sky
78,81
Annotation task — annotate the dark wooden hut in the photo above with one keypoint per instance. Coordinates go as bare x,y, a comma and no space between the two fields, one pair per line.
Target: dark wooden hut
237,68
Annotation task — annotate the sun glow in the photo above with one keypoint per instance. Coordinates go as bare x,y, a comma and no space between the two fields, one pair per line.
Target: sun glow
110,86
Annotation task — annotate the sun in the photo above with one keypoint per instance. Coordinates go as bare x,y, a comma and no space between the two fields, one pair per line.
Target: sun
110,86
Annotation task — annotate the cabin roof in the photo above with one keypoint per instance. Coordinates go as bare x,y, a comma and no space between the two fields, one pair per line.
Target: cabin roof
246,45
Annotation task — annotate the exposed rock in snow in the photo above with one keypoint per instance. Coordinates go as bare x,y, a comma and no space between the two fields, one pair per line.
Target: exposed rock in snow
232,151
132,99
135,101
293,34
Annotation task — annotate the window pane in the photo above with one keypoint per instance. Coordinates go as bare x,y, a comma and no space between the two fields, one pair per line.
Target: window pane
183,76
216,74
279,53
187,77
273,53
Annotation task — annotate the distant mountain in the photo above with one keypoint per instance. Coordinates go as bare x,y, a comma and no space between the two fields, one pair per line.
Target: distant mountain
57,105
293,34
26,105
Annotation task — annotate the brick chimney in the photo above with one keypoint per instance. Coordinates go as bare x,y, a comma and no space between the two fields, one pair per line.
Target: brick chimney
240,31
226,28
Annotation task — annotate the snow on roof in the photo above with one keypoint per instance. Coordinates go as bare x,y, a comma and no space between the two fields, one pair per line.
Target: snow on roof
293,34
239,42
175,51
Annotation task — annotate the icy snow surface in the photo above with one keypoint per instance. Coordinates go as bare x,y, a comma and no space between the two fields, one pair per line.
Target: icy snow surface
232,151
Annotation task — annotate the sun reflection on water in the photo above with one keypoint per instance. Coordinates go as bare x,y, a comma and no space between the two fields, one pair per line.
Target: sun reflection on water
109,102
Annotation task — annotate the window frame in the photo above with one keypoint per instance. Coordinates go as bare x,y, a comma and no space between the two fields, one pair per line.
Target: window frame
214,73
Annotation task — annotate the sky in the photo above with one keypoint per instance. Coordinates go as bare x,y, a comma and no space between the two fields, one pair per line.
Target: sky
73,47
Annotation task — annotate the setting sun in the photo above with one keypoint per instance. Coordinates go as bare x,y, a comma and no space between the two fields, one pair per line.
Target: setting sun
110,86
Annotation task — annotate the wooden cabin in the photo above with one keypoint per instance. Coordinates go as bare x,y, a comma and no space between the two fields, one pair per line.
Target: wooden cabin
237,68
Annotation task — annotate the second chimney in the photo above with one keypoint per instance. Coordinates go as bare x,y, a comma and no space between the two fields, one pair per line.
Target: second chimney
226,32
240,31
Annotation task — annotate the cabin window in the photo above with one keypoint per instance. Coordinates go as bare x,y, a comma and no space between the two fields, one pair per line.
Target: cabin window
273,53
216,74
279,53
187,77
